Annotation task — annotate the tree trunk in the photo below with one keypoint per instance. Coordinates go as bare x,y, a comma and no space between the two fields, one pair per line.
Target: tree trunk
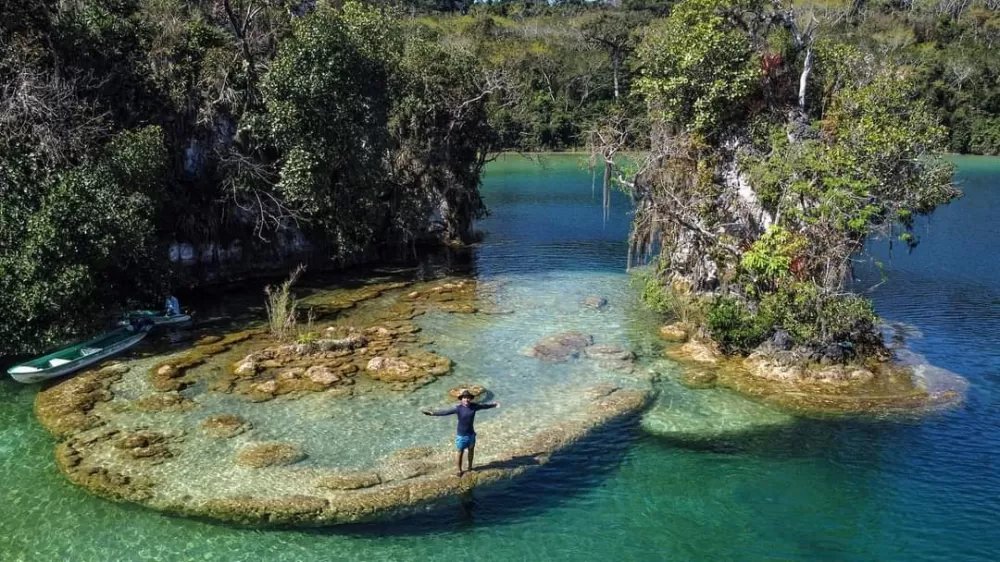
807,67
614,64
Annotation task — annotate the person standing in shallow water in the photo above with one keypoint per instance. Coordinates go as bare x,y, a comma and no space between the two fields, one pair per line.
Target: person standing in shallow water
465,436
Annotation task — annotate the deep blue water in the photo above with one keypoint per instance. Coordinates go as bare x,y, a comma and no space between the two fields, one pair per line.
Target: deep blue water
924,489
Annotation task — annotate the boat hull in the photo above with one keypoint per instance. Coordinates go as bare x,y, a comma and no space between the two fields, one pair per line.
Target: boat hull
29,375
158,319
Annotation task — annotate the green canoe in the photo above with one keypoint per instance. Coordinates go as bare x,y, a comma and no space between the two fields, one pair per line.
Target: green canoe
77,356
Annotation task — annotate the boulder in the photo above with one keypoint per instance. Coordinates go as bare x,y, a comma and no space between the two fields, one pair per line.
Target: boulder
595,302
388,368
676,332
608,353
322,375
353,341
246,368
416,366
700,352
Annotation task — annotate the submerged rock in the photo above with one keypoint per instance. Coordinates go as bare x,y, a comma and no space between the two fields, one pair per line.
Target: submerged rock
595,302
109,451
225,425
65,408
250,510
349,480
561,347
475,390
260,455
709,416
164,401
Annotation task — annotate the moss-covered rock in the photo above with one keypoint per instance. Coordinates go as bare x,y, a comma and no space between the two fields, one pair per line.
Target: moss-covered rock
250,510
144,444
809,388
170,401
349,480
66,408
225,425
274,453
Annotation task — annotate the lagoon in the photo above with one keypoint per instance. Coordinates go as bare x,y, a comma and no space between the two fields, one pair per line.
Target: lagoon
704,475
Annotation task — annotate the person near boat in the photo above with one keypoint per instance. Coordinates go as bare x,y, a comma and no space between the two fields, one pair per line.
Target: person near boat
172,306
465,435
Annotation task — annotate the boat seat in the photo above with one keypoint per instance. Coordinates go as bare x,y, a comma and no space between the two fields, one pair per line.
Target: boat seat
85,351
57,362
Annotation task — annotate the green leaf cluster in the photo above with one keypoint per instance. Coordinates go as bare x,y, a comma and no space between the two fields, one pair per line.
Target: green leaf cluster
696,69
85,235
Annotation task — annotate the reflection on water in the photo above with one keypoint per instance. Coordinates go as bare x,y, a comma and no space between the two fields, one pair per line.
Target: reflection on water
772,488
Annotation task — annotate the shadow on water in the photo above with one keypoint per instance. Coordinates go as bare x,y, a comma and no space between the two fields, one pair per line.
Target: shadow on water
802,439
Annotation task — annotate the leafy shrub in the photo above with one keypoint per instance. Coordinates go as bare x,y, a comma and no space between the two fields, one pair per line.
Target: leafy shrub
733,326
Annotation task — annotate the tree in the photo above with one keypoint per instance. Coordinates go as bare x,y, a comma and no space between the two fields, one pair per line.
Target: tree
758,210
77,240
615,33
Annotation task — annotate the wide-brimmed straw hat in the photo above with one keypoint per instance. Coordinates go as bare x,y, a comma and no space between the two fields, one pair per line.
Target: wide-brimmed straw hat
465,393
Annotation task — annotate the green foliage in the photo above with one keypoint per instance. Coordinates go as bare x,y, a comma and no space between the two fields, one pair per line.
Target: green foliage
440,135
84,241
733,326
653,291
810,316
769,259
327,100
871,161
696,68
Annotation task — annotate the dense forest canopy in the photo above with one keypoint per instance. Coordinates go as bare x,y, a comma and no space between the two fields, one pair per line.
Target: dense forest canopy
130,126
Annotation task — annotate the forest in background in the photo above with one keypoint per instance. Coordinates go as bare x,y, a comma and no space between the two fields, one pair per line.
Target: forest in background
128,126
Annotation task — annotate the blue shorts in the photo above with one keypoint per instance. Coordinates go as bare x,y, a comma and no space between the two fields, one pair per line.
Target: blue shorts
463,442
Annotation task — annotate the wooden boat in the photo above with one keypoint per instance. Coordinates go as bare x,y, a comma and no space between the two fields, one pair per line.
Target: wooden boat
77,356
157,318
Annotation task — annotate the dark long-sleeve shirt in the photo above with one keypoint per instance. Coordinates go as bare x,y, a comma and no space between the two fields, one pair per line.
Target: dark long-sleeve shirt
466,415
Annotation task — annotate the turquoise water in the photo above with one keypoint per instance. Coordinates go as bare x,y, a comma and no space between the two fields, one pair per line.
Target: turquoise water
782,489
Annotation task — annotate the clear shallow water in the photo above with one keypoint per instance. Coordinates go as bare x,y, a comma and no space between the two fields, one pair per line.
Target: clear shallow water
804,490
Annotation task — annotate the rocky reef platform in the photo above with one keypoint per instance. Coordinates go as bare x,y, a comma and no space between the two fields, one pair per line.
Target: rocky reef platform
898,385
326,428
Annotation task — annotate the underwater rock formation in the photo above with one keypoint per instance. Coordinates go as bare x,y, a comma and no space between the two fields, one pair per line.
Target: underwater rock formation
260,455
561,347
174,433
225,425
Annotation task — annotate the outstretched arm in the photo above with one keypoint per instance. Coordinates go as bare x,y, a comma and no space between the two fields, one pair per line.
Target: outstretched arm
447,412
487,406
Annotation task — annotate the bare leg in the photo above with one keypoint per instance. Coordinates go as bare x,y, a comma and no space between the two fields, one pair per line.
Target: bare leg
459,457
472,452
